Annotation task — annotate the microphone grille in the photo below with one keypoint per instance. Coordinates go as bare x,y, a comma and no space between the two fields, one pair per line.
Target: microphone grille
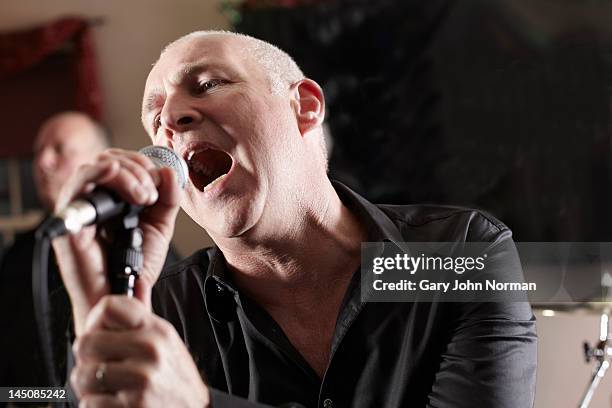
162,156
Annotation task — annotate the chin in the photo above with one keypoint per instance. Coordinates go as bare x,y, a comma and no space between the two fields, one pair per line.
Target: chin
224,226
229,219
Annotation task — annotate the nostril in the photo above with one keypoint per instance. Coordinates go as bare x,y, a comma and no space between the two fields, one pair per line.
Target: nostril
185,120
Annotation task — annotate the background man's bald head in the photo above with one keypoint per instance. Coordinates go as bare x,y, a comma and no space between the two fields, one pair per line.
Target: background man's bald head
85,129
64,142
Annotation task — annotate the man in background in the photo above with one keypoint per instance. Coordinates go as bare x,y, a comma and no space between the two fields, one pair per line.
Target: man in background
64,142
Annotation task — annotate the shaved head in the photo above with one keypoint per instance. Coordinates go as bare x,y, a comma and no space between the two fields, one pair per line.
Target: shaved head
281,69
90,131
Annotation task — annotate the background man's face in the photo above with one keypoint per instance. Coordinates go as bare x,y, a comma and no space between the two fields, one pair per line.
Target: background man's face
62,146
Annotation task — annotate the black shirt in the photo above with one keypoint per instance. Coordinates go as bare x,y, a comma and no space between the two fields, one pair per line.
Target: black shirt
21,361
383,355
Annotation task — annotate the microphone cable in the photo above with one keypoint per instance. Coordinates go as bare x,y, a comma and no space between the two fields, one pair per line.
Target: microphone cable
48,230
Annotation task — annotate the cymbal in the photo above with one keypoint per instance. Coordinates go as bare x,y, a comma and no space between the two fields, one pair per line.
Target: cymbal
588,308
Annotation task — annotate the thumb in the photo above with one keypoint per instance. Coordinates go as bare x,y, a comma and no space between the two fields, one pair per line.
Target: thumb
142,292
116,312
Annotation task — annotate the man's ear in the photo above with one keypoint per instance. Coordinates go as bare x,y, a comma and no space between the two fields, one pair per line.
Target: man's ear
308,104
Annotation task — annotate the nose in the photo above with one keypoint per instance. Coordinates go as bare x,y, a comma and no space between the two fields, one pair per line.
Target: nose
179,115
45,159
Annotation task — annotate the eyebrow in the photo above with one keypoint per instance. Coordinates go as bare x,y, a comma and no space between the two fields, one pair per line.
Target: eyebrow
150,101
185,72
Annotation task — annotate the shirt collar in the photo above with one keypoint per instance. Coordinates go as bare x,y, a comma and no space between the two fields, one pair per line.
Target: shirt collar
378,224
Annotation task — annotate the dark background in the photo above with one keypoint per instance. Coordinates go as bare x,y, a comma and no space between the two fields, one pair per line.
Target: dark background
493,104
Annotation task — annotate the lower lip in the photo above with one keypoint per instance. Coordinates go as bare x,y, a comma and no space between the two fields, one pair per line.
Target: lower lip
215,188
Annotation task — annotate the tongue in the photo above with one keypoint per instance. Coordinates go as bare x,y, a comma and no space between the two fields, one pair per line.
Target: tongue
208,165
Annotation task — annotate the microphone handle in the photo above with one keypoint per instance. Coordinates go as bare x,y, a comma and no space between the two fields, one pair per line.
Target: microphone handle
125,259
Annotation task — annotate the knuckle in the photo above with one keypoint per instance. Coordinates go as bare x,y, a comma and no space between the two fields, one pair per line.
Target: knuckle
105,155
85,402
155,352
144,380
79,380
150,350
80,345
164,328
107,304
84,167
86,345
139,399
113,151
74,379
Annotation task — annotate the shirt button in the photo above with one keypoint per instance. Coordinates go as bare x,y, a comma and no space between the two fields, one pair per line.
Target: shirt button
328,403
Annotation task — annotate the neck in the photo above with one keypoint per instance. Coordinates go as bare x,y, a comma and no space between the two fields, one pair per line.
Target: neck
316,252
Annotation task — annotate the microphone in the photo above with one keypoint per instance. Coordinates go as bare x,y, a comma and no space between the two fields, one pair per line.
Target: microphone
103,204
125,257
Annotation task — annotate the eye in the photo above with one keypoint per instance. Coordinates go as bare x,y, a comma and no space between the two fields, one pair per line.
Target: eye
207,86
156,123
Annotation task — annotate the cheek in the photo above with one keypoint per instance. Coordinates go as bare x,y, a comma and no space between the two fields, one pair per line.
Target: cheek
65,170
187,201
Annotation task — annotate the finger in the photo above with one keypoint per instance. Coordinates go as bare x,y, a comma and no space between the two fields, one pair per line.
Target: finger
143,160
83,239
117,312
83,179
168,187
142,290
163,213
157,223
129,187
85,286
100,401
106,345
141,169
109,377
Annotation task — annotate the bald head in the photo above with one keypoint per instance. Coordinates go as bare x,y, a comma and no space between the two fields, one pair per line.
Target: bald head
280,68
276,66
64,142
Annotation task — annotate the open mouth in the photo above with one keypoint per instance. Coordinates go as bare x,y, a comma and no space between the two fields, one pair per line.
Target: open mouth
207,167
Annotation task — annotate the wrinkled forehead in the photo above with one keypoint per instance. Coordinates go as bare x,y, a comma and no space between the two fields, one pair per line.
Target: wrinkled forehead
216,50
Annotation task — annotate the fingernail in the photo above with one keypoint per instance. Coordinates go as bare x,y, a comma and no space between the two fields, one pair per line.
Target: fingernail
140,193
154,196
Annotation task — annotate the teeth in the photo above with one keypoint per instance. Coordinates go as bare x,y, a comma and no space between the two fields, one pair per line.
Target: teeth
192,152
209,186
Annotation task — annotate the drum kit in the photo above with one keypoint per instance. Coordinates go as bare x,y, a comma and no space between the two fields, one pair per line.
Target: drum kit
576,280
601,352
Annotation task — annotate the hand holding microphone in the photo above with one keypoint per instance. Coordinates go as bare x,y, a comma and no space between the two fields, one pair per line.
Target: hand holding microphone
125,355
102,204
117,179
